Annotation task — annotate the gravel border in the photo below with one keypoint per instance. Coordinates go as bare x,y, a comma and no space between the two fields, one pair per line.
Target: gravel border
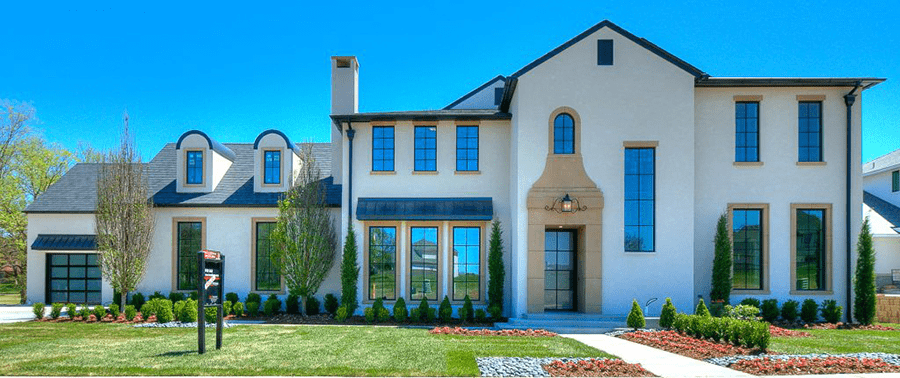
892,359
519,366
178,325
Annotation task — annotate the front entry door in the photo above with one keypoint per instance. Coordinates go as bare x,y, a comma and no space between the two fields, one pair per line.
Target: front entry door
559,270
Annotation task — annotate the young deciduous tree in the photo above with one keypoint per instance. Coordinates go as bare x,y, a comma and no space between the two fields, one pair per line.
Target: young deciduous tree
124,218
305,238
349,272
495,267
864,282
721,271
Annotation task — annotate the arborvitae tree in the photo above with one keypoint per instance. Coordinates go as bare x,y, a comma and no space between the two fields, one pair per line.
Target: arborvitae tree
864,282
349,272
495,267
667,317
636,316
721,271
470,311
701,309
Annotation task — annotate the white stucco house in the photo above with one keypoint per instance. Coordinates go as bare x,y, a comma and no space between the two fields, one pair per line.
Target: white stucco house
608,162
881,203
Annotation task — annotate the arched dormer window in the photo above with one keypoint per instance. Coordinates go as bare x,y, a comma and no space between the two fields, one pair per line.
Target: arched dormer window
564,124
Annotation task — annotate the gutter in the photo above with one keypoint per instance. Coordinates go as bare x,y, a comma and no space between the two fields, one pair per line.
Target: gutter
350,134
849,99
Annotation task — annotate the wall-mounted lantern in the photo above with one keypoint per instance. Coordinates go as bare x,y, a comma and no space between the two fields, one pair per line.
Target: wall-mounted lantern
566,204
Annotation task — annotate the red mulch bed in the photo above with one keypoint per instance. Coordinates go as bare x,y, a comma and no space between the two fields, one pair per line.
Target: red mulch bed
487,332
782,332
839,325
106,319
829,365
355,320
687,346
596,368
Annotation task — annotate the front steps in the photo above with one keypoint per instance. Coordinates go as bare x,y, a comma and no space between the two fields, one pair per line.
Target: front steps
567,322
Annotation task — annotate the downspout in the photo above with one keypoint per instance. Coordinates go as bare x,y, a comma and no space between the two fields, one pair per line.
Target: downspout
350,134
849,99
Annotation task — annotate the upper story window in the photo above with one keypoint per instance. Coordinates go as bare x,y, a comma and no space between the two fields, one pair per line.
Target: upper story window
466,148
564,134
194,167
895,181
604,52
426,148
272,167
640,198
383,148
746,137
810,127
498,95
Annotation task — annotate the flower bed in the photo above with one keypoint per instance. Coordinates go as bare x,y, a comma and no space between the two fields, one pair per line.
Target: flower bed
871,327
781,332
687,346
487,332
596,368
826,365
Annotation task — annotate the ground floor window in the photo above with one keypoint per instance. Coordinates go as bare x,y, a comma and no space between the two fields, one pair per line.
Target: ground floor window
810,249
266,273
73,278
188,241
382,263
747,239
466,263
423,263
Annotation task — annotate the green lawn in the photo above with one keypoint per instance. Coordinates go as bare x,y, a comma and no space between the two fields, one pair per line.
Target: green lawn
9,299
839,341
40,348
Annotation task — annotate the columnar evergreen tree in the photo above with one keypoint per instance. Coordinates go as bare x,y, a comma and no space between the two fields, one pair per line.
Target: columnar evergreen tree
864,282
349,272
635,318
495,267
721,271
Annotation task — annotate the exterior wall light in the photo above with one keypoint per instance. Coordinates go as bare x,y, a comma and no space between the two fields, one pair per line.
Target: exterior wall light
566,204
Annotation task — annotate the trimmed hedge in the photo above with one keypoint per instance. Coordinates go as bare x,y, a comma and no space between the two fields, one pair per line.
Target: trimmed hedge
809,311
749,333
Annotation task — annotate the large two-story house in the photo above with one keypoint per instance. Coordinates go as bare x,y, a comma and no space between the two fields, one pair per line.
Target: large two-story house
608,162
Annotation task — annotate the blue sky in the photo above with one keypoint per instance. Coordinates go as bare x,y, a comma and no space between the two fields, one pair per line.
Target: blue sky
235,69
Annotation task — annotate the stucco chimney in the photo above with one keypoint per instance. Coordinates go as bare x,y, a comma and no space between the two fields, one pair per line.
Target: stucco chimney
344,85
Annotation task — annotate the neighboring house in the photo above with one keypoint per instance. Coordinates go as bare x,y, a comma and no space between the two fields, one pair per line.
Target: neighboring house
881,203
608,161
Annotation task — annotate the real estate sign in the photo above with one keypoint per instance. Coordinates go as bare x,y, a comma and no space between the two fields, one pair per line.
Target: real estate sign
210,292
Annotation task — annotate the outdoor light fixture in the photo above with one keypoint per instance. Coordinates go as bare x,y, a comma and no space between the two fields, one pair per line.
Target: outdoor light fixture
566,204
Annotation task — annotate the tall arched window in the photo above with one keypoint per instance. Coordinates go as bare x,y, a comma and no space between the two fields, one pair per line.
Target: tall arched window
563,134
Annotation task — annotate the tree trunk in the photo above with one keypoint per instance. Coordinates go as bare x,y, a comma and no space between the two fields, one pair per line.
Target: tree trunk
302,306
124,296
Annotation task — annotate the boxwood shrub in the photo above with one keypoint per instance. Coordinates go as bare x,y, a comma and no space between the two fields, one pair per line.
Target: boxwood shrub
831,312
331,304
809,311
114,310
238,309
749,333
400,311
769,310
312,306
789,310
38,310
55,310
130,312
71,310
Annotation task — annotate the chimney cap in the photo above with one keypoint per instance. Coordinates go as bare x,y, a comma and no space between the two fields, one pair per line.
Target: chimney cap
345,61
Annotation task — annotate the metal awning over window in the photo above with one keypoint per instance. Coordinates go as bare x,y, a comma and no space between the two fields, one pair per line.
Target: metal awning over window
431,209
65,243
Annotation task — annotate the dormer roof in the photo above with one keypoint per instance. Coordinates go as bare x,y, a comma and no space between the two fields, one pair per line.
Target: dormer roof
213,145
291,146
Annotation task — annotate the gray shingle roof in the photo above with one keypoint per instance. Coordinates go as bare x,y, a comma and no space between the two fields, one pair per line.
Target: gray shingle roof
76,191
882,162
884,208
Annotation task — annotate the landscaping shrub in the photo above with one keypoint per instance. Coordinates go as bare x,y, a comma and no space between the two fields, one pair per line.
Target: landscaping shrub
667,317
717,309
114,310
864,280
117,298
238,309
496,271
232,297
177,309
400,311
130,312
469,310
349,274
71,310
312,306
156,295
254,297
789,310
99,312
369,314
701,309
809,311
749,333
188,312
137,300
226,308
160,307
383,315
176,297
742,312
252,309
292,304
463,313
831,312
341,314
210,314
193,296
423,311
377,306
721,270
750,302
496,311
331,303
480,315
55,310
272,305
769,310
85,312
445,311
636,316
414,315
38,310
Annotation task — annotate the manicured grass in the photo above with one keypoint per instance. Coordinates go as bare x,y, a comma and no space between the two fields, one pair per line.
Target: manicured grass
9,299
839,341
41,348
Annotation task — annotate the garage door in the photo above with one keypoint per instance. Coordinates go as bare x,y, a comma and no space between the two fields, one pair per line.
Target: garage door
73,278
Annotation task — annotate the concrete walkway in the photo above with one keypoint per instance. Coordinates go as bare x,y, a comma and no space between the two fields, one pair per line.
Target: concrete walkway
659,362
17,313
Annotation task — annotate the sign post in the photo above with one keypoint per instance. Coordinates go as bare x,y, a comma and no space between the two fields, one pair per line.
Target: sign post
210,290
